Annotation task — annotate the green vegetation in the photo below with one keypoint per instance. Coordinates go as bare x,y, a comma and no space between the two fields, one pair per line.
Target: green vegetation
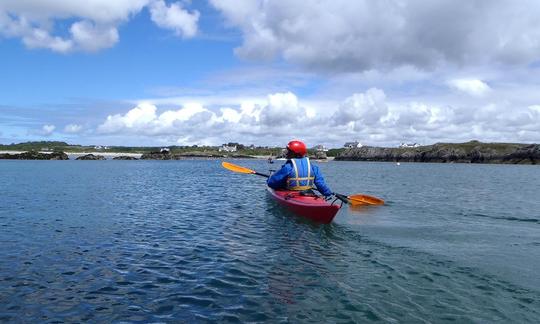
335,152
468,152
54,146
468,147
35,146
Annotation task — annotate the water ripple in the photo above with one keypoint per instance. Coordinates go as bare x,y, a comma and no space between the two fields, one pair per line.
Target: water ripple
184,241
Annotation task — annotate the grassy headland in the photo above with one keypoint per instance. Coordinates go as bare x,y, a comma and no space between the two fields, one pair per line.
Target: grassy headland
193,150
469,152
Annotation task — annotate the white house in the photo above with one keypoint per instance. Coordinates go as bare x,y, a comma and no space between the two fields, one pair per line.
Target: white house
320,148
404,145
225,148
165,150
354,144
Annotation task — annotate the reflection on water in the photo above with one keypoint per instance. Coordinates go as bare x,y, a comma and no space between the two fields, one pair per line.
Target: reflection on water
173,241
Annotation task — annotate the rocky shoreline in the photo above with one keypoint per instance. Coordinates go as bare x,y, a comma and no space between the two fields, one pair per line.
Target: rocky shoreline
33,155
470,152
171,156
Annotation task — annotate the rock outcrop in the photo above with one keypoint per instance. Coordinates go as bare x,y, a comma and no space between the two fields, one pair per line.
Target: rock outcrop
91,157
124,157
319,155
529,154
470,152
157,156
33,155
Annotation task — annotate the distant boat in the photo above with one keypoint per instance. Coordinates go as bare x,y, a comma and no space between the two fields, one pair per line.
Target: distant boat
398,163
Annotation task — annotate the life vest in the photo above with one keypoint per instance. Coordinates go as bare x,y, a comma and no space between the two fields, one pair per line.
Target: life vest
303,176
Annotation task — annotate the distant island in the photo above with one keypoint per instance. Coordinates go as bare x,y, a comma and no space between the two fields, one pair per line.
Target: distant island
469,152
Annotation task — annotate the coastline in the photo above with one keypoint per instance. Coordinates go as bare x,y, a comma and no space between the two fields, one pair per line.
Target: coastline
107,155
111,155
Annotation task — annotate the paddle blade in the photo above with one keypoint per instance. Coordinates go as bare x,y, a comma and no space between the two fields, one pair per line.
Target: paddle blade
365,200
236,168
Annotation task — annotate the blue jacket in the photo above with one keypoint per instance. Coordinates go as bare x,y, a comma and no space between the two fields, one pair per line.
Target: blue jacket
279,180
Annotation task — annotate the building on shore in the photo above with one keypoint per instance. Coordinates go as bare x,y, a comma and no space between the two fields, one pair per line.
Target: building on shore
354,144
226,148
320,148
405,145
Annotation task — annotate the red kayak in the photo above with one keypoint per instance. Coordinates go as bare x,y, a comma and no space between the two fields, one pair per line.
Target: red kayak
311,206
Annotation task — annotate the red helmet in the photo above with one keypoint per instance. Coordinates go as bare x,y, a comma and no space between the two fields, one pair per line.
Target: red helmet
297,147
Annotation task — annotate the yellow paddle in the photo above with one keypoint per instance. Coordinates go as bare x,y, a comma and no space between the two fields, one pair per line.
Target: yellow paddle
366,199
354,200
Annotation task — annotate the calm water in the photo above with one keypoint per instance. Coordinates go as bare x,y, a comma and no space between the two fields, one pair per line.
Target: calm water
173,241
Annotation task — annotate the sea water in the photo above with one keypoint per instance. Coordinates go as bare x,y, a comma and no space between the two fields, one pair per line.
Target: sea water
188,241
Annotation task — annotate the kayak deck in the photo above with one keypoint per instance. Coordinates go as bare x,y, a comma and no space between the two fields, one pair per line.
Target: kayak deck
309,206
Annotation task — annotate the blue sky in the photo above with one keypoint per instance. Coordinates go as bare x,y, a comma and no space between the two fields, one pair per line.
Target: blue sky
155,72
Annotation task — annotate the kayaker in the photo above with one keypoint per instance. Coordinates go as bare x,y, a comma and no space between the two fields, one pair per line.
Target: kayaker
298,173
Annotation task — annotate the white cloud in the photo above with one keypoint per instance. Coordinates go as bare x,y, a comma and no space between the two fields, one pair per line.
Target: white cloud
280,115
137,117
101,11
144,119
366,108
473,87
373,117
95,22
73,128
344,35
174,17
47,130
39,38
282,109
92,37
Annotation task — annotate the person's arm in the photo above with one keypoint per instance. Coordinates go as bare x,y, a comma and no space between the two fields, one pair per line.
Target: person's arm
278,180
319,182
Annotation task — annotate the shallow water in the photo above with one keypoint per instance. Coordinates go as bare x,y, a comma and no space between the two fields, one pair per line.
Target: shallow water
170,241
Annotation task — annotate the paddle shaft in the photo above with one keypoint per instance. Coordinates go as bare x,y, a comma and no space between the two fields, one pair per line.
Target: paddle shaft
353,200
261,174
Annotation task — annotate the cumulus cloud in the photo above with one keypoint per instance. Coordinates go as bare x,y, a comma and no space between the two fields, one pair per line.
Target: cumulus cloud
175,18
473,87
95,22
369,108
73,128
282,109
144,119
280,115
138,117
343,35
47,130
369,116
91,37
